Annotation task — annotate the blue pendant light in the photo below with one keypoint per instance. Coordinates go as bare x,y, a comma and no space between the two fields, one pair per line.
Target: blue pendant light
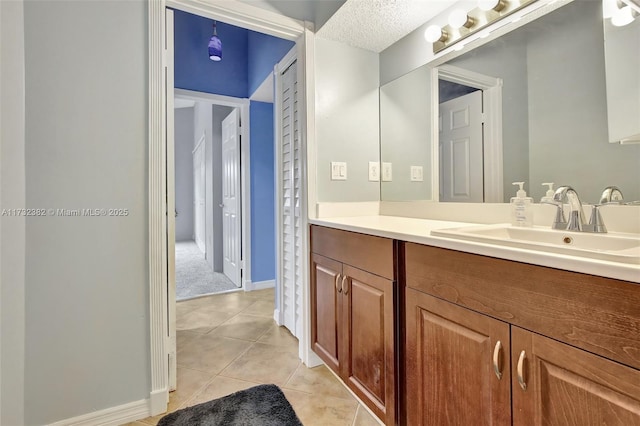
215,46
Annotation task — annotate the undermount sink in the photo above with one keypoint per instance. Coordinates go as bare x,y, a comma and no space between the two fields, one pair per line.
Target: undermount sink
610,246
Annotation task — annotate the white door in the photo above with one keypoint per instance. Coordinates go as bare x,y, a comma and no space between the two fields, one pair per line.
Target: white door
290,193
460,147
231,229
199,189
171,206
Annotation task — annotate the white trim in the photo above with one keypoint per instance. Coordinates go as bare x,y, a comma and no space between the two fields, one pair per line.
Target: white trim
306,84
242,15
113,416
260,285
210,98
277,317
492,108
171,208
158,312
235,13
200,142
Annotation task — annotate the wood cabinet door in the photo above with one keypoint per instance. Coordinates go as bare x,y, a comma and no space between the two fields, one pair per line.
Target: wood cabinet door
557,384
453,358
369,358
326,303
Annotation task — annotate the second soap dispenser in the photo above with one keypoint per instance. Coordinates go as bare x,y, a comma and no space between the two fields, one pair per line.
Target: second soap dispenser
521,207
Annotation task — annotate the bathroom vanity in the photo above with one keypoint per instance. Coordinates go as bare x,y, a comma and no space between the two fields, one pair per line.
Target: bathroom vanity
433,330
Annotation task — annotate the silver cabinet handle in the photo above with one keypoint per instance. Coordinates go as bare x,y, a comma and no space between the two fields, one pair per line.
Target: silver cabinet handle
497,360
338,289
345,290
521,379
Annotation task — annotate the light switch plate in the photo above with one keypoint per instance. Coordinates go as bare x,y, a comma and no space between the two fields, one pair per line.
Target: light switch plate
374,171
416,174
387,173
338,170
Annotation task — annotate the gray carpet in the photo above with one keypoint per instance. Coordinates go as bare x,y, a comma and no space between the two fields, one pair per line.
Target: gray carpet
194,277
263,405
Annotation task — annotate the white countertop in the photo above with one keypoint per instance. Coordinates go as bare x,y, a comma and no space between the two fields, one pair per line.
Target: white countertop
419,231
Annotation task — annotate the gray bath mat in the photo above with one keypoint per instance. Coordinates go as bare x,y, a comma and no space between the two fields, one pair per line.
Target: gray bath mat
263,405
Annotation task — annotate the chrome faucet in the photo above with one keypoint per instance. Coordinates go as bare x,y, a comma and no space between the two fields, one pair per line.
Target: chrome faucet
576,216
611,195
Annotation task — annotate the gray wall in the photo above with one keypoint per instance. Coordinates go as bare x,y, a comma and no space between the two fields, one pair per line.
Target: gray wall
568,135
347,120
405,121
219,114
12,228
87,303
184,129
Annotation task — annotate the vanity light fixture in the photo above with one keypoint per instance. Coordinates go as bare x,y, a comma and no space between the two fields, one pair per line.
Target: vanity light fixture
215,45
462,24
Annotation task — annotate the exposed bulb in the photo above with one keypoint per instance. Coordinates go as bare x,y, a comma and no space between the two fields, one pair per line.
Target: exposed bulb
622,17
434,33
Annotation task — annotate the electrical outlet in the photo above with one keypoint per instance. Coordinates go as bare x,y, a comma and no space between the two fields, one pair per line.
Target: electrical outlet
338,170
374,171
416,174
387,174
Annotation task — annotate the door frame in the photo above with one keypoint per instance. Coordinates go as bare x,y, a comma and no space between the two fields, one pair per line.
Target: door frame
245,16
492,132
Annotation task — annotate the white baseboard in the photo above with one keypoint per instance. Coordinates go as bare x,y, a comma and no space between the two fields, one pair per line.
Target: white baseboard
276,316
113,416
158,401
260,285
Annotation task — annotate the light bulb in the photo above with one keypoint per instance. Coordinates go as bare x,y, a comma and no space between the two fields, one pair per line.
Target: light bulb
459,18
622,17
488,5
434,33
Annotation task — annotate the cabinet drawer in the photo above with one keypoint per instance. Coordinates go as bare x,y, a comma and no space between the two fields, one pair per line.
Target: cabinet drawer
600,315
366,252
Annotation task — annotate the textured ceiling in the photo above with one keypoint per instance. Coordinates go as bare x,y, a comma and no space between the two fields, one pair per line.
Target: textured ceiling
376,24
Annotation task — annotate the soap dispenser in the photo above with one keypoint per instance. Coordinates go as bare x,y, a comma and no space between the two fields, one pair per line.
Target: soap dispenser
548,197
521,208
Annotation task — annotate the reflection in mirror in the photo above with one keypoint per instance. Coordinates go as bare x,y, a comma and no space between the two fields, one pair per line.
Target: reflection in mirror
549,118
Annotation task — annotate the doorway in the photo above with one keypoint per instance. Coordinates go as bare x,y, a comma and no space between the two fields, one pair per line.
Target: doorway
204,264
162,308
482,112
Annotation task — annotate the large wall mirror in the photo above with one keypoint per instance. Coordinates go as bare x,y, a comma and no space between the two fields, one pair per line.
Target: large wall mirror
530,105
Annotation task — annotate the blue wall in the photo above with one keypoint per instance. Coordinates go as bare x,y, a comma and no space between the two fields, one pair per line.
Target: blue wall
264,52
247,59
263,225
193,68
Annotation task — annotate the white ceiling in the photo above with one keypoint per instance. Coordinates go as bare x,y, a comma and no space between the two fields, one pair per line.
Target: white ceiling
377,24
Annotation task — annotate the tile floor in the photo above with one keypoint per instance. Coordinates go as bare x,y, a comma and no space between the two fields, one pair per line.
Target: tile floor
229,342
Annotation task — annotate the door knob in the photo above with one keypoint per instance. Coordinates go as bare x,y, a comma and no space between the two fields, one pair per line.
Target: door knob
221,205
